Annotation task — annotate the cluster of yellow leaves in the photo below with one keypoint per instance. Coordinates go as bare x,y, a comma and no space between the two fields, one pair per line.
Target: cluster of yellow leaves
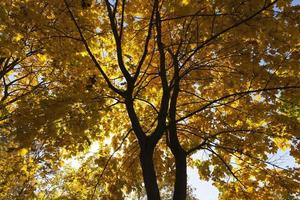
74,107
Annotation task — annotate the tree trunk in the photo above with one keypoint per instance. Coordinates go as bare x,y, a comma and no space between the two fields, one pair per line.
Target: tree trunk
149,175
181,177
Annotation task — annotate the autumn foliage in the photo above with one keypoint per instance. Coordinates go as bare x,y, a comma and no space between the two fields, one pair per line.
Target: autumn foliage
109,99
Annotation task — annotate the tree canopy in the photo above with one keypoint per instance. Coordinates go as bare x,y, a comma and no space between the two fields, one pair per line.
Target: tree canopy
109,99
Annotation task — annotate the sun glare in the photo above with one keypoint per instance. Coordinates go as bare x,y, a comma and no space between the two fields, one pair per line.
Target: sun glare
74,163
94,147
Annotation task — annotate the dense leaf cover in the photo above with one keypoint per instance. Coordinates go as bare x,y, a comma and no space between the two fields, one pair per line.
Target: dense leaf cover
109,99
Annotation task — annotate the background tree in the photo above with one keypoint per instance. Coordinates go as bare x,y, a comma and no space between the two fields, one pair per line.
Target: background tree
153,83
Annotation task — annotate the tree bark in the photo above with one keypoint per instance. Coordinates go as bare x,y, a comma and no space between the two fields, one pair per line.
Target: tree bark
149,175
180,186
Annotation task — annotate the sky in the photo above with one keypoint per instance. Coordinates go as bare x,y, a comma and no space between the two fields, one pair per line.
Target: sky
296,2
203,190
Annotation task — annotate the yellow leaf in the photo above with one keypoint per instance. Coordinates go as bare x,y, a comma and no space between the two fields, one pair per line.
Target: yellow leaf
43,58
185,2
24,168
18,37
282,143
23,152
238,123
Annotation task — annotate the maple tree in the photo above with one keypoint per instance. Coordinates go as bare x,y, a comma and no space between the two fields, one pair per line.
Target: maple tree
148,85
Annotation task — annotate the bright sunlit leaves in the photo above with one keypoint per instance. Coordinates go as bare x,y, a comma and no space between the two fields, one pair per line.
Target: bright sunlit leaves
23,151
64,128
18,37
282,143
185,2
